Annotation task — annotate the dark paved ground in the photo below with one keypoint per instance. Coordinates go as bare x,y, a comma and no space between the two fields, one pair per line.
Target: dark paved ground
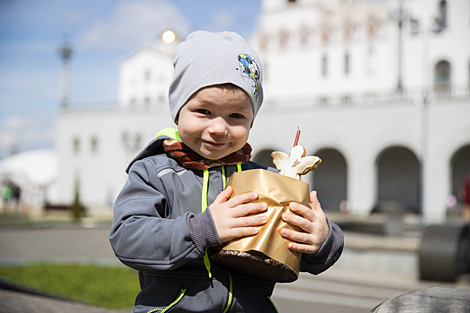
338,290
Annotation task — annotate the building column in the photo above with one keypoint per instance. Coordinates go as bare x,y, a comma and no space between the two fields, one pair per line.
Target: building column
361,184
437,174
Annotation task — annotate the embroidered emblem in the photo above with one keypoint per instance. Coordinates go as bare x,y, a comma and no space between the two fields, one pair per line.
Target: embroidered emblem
250,69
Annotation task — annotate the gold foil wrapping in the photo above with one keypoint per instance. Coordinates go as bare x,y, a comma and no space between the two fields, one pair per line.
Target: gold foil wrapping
277,191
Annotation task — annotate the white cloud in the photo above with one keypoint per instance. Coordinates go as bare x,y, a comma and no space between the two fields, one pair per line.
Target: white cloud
222,20
26,133
135,23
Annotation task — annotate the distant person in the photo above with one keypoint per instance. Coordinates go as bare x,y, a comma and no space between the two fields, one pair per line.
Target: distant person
466,198
6,196
16,195
174,205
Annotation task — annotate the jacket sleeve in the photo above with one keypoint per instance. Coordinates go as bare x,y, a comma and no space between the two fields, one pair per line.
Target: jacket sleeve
328,253
144,237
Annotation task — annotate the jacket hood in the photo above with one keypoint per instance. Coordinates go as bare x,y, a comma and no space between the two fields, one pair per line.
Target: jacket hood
153,148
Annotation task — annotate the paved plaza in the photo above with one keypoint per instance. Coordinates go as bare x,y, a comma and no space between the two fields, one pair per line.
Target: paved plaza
371,270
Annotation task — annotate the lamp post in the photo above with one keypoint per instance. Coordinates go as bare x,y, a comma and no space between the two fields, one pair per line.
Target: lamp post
400,17
65,54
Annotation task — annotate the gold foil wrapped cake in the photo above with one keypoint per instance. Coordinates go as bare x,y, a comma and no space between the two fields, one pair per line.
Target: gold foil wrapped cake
266,255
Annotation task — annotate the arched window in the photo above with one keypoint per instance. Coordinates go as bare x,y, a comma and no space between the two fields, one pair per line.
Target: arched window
372,27
124,137
348,31
94,144
371,61
330,179
262,42
147,75
283,39
76,145
442,76
138,143
414,26
147,101
460,168
133,101
325,35
443,13
304,36
440,22
324,65
398,179
161,99
347,63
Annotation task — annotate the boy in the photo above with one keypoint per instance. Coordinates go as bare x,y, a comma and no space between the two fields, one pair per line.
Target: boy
174,206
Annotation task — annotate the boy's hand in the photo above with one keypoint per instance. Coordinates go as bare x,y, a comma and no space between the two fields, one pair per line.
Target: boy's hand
313,223
233,218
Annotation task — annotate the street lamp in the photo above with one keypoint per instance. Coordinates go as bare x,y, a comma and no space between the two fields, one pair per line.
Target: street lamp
168,36
425,101
400,16
65,53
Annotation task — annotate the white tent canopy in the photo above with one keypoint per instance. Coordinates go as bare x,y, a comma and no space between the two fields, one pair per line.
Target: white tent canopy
38,167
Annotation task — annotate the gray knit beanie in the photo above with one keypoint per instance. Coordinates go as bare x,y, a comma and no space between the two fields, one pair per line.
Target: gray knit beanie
207,59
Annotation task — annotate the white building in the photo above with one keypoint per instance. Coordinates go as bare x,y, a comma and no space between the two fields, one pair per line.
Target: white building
374,100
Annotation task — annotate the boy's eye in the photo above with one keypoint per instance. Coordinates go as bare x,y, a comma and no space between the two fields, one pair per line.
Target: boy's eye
203,111
236,115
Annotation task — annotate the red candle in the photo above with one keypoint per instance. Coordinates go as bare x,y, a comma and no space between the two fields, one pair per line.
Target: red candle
297,135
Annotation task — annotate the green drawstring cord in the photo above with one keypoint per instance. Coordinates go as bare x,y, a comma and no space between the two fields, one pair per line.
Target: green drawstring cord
205,186
163,310
230,293
223,175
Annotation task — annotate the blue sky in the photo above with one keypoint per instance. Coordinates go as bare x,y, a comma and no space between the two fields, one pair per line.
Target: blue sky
101,33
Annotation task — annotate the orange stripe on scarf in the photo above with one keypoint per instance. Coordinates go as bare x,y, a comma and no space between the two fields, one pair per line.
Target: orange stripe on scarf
191,160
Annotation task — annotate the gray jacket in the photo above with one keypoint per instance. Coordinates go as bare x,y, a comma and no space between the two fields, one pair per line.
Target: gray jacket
159,230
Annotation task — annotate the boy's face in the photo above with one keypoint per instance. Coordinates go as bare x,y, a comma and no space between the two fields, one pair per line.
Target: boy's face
215,121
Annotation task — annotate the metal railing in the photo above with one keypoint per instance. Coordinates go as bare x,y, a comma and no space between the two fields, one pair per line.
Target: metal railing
408,96
113,106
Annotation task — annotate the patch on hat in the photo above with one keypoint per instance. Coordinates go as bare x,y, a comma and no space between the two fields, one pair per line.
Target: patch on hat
250,69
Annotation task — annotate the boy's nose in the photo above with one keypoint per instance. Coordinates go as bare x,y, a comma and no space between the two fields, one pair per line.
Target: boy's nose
218,126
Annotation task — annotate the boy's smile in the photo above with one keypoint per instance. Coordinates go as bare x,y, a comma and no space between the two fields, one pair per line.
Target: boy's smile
216,121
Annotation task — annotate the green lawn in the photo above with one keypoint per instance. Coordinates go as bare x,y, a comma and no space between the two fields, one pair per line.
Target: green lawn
109,287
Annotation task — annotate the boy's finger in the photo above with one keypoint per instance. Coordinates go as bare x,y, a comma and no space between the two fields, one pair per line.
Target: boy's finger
224,195
302,210
316,207
244,232
308,249
243,198
250,221
297,220
295,236
250,208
